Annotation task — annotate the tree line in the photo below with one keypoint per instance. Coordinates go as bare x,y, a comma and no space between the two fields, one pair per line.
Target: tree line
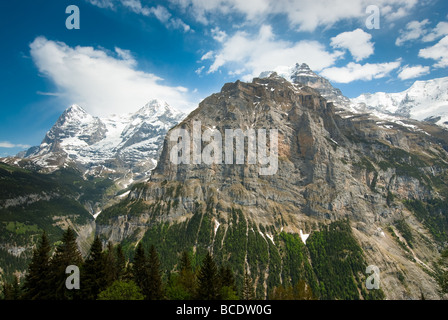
106,274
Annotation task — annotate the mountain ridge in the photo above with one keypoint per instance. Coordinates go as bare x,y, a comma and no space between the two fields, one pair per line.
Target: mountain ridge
331,169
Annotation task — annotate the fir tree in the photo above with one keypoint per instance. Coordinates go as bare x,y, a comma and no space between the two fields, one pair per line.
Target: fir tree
140,270
36,286
66,254
227,284
208,286
155,276
187,277
12,291
110,264
120,262
93,273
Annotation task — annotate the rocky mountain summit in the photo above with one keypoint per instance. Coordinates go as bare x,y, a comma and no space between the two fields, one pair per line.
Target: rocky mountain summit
124,147
379,185
302,74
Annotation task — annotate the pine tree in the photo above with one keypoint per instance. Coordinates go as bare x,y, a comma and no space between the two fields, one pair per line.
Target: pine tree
208,286
12,291
36,286
120,262
227,290
155,276
187,277
110,264
66,254
140,270
93,273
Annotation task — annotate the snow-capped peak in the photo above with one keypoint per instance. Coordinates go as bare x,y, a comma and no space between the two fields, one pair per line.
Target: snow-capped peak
117,141
423,100
158,108
302,73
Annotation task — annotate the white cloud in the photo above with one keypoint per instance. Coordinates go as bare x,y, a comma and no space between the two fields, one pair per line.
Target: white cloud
160,12
100,82
9,145
249,55
357,42
412,72
102,3
439,31
414,30
304,15
438,52
354,71
199,70
218,34
207,56
136,6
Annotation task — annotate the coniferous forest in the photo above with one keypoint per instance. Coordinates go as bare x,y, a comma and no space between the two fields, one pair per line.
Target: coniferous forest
105,274
108,272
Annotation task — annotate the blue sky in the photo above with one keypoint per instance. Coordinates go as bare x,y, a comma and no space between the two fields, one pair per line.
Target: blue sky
128,52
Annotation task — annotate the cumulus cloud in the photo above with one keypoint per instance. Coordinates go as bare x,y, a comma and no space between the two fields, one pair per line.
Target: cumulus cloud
100,81
249,55
304,15
354,71
437,52
408,72
357,42
414,30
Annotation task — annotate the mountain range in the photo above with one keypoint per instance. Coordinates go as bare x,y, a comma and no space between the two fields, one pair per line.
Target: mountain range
360,182
423,101
122,147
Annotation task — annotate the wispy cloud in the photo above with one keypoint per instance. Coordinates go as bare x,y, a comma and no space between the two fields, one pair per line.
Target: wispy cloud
160,12
303,15
355,71
101,82
9,145
102,3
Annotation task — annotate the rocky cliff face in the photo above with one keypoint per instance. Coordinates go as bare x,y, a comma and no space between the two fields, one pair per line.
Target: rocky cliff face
331,167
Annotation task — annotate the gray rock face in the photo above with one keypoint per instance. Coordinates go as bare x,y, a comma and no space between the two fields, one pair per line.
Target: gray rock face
303,74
